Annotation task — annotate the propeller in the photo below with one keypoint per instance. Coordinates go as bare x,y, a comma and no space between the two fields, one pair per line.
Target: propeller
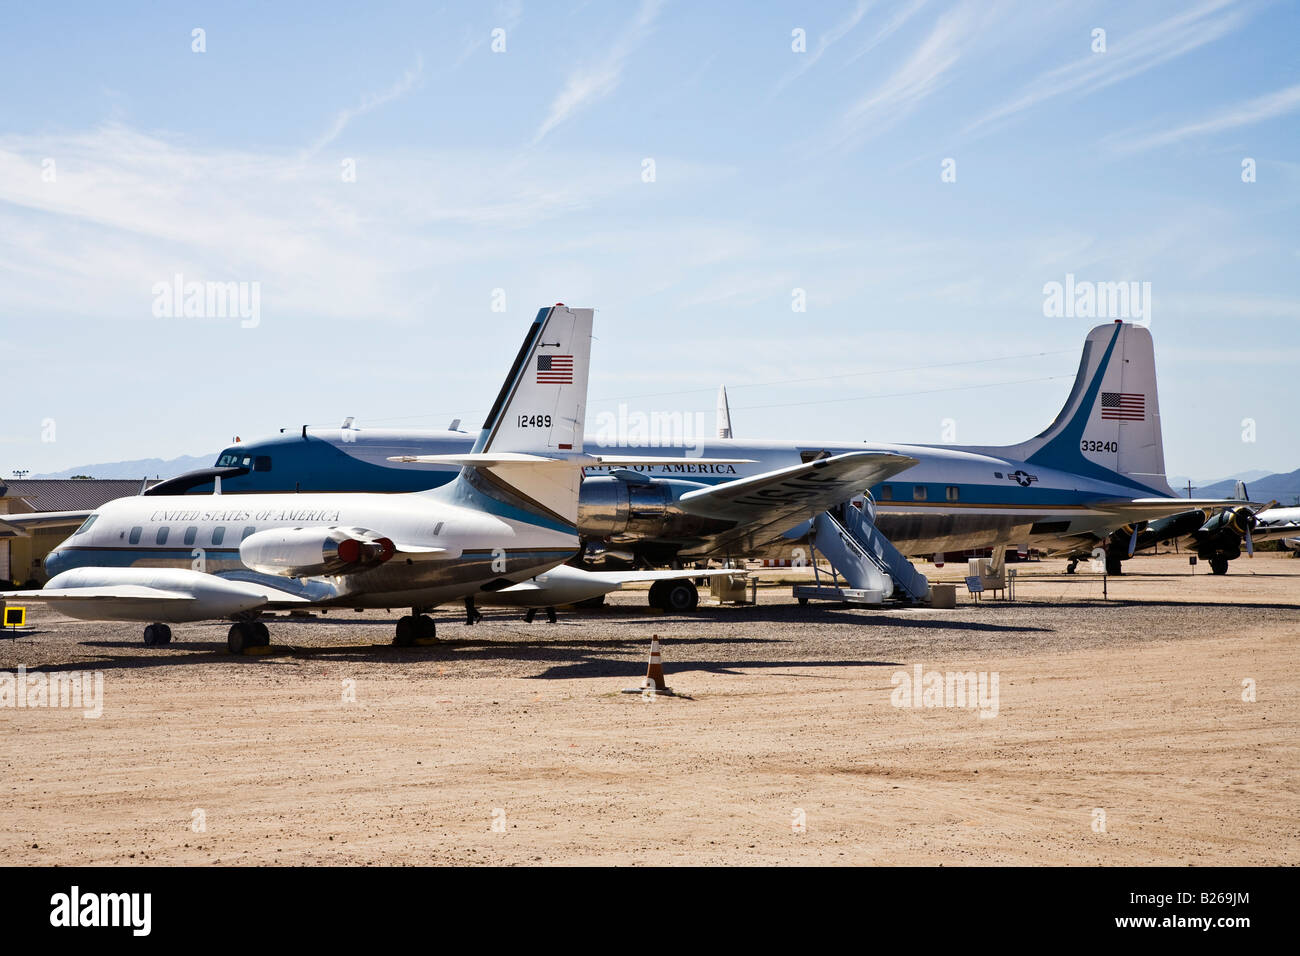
1133,541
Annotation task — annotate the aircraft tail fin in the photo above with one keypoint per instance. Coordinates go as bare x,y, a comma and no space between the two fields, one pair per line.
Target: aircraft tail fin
540,411
1109,427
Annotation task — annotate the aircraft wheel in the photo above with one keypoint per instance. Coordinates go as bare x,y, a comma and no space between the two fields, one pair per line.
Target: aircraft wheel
152,634
427,628
1069,568
408,629
164,633
1219,565
239,637
657,595
261,636
680,596
803,602
1114,565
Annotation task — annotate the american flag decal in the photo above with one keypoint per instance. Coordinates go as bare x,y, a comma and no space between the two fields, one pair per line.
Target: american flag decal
1124,406
555,370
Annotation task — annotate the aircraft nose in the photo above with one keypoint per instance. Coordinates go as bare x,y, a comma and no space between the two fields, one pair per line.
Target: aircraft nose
55,562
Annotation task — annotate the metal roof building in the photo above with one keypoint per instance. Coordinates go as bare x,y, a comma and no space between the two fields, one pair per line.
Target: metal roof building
22,558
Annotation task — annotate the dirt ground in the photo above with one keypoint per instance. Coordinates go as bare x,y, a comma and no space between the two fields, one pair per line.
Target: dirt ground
1121,735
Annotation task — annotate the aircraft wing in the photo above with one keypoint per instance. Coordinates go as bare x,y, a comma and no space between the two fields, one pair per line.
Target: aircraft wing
21,526
163,594
57,596
1145,509
765,506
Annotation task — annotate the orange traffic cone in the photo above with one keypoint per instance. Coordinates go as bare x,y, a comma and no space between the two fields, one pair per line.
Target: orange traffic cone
654,675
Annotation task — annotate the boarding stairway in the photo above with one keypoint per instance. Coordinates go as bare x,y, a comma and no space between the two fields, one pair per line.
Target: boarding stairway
872,569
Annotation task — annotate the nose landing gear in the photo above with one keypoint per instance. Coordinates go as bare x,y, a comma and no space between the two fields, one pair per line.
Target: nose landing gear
155,634
415,628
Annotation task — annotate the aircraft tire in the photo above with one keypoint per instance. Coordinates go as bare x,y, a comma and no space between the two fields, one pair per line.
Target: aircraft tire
680,596
657,595
427,628
151,635
238,637
408,629
164,634
261,635
1219,565
1114,565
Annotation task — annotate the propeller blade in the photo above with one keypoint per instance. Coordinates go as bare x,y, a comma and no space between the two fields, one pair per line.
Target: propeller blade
1250,543
1132,541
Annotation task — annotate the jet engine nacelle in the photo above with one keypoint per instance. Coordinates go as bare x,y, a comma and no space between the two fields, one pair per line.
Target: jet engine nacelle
622,509
308,552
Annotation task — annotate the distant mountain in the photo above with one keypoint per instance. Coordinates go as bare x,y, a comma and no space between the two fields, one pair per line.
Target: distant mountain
1179,482
140,468
1284,487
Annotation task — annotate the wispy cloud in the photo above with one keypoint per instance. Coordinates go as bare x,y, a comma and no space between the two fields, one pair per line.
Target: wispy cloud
1126,56
598,80
921,75
888,29
368,103
825,42
1248,113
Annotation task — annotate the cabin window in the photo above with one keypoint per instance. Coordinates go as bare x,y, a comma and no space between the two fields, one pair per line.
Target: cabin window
190,534
135,535
161,536
262,463
918,492
218,534
953,493
886,493
86,525
247,531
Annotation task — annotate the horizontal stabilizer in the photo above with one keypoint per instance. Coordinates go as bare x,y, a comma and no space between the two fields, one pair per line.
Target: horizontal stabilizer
24,524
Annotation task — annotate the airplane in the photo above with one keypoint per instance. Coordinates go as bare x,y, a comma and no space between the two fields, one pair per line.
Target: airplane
506,516
1215,536
1098,467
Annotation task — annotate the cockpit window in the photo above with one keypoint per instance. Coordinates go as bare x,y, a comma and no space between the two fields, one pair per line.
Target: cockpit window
86,525
233,459
262,463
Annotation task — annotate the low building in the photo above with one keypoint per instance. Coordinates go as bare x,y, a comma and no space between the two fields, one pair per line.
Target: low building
22,558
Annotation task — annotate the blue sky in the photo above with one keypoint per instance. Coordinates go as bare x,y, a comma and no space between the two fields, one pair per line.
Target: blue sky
522,171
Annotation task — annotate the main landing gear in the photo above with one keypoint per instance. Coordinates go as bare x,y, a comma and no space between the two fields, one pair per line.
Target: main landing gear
676,596
415,628
246,634
155,634
532,612
1219,565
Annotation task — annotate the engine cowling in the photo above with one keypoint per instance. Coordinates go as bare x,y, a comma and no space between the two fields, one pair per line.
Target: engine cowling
619,510
308,552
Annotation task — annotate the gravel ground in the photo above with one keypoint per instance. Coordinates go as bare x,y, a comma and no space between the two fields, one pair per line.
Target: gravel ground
1132,706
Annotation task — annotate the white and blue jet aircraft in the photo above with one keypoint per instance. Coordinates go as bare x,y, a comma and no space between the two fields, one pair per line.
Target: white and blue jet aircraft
496,513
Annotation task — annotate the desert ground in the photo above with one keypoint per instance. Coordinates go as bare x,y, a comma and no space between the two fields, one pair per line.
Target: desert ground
1160,725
